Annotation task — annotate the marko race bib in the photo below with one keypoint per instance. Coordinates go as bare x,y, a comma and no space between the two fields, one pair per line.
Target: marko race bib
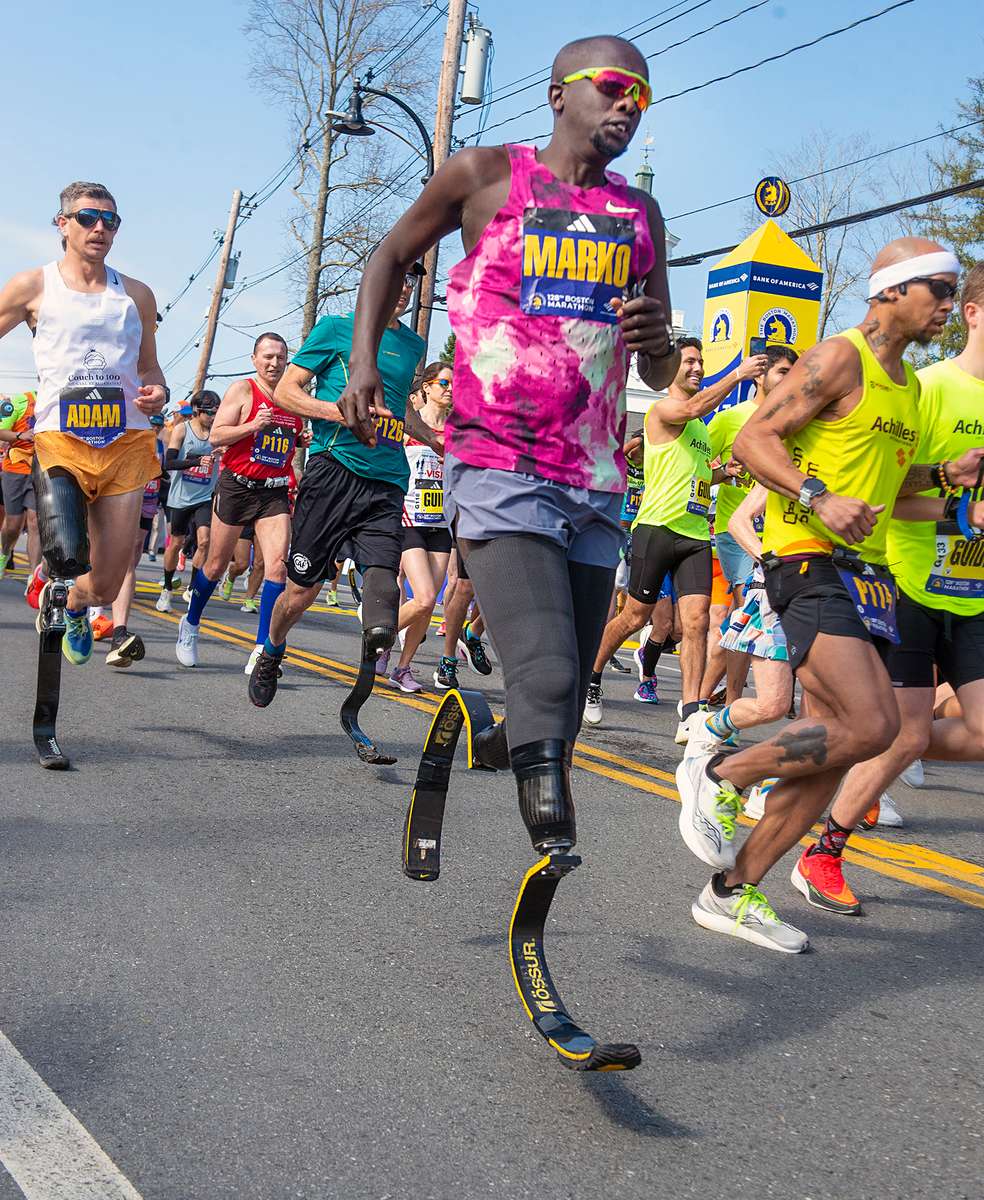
574,264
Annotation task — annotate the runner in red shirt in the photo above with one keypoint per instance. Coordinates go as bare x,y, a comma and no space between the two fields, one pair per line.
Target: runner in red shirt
253,489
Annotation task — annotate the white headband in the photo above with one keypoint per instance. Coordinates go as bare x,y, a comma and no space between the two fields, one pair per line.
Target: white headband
940,262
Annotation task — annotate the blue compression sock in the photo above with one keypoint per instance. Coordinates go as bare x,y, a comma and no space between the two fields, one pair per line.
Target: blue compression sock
268,598
272,650
201,592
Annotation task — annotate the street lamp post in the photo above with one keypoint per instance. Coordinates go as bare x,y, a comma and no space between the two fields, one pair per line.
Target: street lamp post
354,124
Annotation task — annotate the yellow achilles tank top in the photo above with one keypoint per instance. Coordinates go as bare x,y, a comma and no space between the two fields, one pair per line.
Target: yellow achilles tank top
678,483
865,455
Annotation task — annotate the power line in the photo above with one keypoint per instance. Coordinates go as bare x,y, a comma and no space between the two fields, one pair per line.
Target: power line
691,260
743,70
541,78
828,170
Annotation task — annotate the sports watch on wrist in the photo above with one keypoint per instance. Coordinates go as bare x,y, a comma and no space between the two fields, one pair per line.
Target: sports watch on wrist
810,492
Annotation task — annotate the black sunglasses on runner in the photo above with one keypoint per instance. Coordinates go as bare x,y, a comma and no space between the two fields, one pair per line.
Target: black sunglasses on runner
939,287
87,218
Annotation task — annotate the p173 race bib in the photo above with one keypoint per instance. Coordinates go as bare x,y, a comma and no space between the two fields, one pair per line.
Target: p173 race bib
95,415
574,264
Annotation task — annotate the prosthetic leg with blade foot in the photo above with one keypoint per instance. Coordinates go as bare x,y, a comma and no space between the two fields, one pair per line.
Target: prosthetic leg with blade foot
51,628
543,777
374,642
425,816
545,801
65,548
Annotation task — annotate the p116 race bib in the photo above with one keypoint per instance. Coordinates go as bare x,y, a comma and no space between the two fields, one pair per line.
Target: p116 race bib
95,415
272,447
574,264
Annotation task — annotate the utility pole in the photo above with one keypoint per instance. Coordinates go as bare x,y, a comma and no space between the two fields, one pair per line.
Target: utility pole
446,88
220,279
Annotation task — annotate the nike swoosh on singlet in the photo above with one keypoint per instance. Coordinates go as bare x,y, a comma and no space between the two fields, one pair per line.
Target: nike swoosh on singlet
613,208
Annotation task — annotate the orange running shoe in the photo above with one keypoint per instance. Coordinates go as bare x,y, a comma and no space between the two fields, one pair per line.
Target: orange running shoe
870,818
35,586
820,878
102,627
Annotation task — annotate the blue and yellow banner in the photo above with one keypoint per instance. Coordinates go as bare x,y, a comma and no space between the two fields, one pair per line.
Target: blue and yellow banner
767,287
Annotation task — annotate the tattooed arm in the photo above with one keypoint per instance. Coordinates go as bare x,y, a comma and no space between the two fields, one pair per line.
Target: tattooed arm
822,383
964,472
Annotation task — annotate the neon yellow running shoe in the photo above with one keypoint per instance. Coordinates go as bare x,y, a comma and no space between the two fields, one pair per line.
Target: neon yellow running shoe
77,642
225,591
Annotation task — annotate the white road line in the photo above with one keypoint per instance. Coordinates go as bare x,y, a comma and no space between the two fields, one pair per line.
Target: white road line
49,1154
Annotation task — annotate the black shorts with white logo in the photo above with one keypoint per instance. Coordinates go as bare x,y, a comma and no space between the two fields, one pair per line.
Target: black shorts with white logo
236,503
933,637
658,552
334,505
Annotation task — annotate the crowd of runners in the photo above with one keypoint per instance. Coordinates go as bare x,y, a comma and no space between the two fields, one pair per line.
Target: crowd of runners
813,554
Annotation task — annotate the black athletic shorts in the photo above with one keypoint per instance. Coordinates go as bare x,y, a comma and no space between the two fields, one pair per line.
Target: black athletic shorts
435,539
147,524
334,505
809,597
247,533
931,636
238,504
657,552
182,519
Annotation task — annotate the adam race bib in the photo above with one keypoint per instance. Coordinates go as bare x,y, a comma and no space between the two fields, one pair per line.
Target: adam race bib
574,264
95,415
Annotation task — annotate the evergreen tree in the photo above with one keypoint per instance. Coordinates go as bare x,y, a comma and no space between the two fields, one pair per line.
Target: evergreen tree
447,353
959,222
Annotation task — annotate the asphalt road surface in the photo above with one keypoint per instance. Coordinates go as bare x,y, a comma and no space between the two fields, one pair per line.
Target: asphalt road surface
216,981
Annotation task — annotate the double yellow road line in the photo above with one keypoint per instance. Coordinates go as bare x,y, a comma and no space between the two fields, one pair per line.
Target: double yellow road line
912,864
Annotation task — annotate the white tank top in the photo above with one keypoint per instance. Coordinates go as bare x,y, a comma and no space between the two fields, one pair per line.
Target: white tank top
86,347
424,502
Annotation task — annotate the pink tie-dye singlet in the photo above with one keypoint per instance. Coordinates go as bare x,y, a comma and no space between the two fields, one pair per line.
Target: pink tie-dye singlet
540,364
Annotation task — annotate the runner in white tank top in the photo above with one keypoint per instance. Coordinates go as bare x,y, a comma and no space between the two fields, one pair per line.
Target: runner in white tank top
99,385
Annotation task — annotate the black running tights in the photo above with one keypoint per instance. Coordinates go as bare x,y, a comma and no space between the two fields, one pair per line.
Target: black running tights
545,616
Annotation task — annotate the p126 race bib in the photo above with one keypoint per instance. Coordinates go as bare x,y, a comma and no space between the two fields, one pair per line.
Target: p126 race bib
95,415
574,264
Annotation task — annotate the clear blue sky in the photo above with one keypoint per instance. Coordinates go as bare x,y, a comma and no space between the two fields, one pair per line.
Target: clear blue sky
160,103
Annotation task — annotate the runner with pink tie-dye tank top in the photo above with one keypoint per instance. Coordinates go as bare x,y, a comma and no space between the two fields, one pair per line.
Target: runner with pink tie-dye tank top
540,363
564,278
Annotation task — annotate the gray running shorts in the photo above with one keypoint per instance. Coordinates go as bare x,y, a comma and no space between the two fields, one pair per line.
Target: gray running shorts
484,503
18,493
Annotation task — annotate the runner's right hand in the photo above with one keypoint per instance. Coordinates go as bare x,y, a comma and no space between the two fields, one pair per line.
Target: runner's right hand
851,520
362,402
263,419
753,367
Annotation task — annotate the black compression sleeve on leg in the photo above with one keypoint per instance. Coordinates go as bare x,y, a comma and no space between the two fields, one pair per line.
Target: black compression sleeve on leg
61,522
523,586
543,778
591,588
650,657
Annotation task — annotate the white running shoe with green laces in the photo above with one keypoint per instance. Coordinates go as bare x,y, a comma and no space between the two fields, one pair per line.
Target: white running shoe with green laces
746,914
709,813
